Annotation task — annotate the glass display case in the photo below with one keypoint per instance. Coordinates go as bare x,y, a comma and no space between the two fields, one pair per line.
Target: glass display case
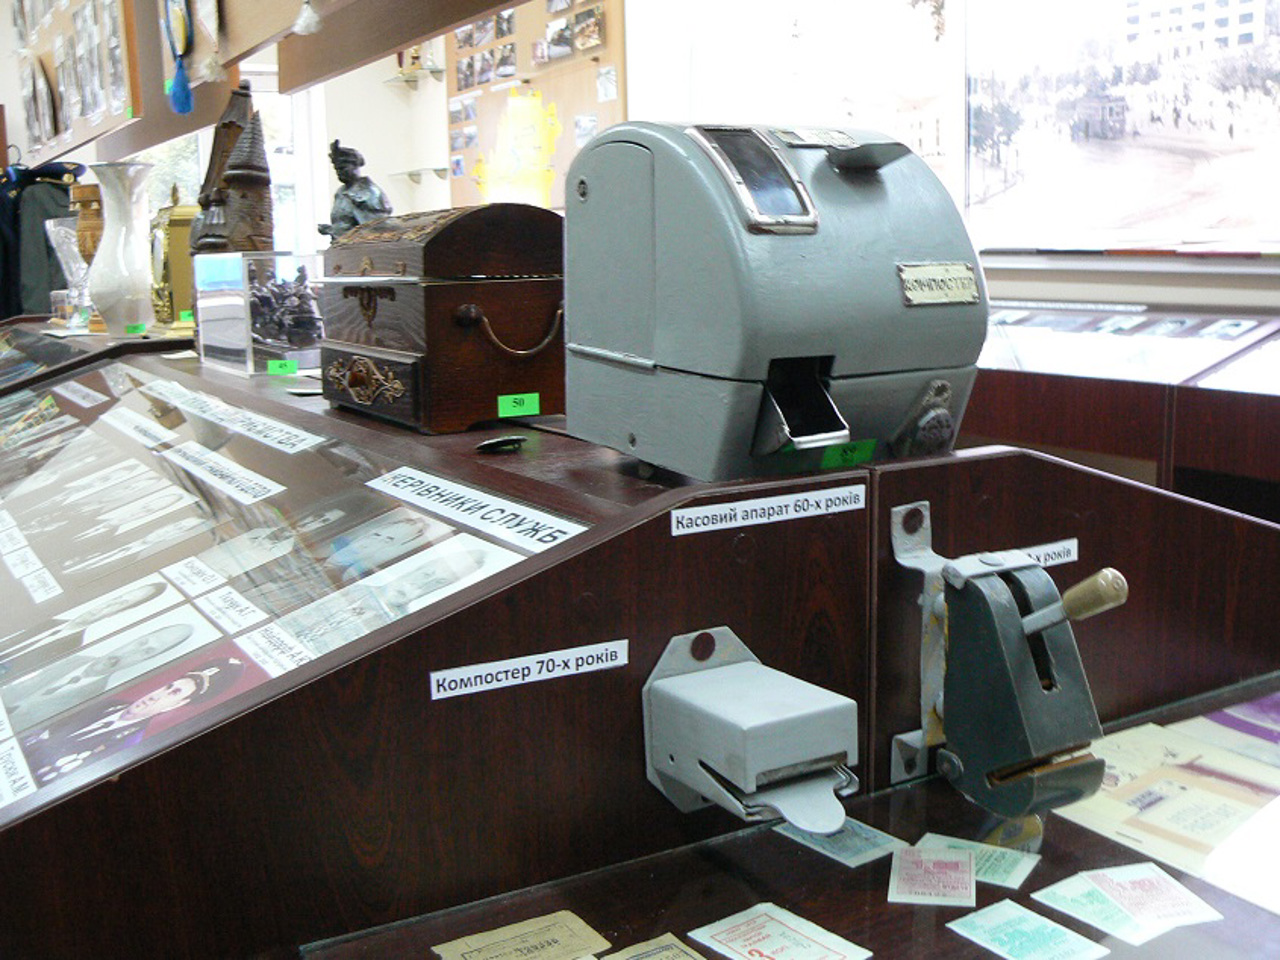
167,551
1116,341
259,652
259,312
34,352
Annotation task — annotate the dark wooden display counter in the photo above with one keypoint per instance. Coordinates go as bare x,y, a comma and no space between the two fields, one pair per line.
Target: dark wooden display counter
340,795
1157,425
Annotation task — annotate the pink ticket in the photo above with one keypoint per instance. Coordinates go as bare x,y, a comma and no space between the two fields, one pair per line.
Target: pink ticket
936,876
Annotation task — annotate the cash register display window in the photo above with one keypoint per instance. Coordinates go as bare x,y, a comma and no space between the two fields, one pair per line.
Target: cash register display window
772,189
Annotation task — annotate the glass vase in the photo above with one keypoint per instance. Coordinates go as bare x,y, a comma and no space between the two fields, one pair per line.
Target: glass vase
120,275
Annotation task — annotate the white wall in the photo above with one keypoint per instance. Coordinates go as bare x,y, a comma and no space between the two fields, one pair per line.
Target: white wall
397,128
853,64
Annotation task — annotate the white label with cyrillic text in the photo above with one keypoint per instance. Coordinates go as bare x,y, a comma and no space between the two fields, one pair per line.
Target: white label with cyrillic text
515,523
147,432
789,506
497,674
1052,554
193,576
242,485
274,649
15,776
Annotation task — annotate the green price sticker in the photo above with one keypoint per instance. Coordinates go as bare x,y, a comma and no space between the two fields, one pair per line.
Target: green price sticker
848,454
187,316
168,87
128,113
134,329
278,368
519,404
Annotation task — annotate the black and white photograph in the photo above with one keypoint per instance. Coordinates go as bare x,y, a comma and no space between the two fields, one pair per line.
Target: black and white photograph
1226,329
506,63
505,22
483,31
138,512
88,37
555,6
138,548
455,111
1169,327
248,550
71,630
464,37
117,79
334,621
466,73
68,89
456,139
437,572
20,34
92,671
559,38
46,111
27,77
1121,323
484,66
379,542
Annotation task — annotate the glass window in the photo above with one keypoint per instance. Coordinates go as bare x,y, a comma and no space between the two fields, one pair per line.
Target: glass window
1086,132
177,164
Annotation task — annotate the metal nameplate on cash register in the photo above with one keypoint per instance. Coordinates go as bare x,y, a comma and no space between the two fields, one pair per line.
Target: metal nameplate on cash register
743,301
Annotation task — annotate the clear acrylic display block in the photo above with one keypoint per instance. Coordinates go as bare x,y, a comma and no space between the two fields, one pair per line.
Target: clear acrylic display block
259,313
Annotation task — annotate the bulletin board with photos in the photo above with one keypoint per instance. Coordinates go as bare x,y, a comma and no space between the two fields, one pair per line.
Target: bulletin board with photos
163,552
77,66
528,87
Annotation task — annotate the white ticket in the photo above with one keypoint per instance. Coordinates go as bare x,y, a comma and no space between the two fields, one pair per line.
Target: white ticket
767,930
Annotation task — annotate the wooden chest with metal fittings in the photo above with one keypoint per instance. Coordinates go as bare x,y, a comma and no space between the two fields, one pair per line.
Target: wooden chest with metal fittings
442,320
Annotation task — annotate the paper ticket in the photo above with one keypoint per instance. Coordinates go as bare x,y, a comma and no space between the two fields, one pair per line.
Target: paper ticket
1016,933
1077,897
665,947
943,878
1151,896
767,930
557,936
991,864
853,845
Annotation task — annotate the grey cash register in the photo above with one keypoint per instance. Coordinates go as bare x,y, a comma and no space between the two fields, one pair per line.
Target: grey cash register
743,301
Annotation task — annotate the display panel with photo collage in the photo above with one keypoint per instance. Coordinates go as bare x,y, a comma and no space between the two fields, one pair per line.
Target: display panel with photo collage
163,552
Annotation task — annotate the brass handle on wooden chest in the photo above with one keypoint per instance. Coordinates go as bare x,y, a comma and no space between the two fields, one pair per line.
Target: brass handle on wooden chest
470,315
